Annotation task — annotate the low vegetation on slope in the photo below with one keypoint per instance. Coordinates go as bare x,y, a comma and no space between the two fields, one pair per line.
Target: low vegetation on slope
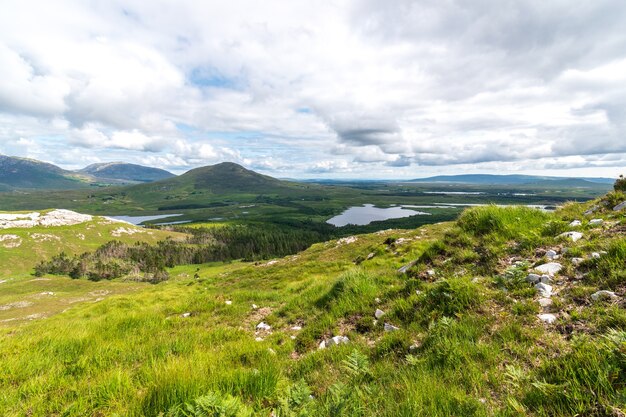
505,312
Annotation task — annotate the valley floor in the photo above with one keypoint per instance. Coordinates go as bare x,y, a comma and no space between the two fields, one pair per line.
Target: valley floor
437,321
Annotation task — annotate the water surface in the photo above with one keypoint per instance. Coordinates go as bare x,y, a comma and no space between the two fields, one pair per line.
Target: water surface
367,213
137,220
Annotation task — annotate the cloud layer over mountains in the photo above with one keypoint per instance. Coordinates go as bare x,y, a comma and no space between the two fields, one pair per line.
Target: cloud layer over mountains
348,88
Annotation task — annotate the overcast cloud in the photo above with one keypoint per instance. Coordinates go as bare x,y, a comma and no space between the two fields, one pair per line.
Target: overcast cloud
328,88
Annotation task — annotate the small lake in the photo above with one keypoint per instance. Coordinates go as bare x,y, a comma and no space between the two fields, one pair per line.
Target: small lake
366,214
137,220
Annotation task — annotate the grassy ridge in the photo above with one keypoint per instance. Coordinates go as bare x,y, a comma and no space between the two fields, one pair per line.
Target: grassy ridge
468,341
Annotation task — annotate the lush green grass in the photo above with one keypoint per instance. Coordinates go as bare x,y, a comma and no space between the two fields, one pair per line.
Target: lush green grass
468,342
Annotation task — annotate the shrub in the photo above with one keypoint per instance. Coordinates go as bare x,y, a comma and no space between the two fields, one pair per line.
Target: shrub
620,184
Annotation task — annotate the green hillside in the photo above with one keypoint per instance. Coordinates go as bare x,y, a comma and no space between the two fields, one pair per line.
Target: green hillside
29,173
461,329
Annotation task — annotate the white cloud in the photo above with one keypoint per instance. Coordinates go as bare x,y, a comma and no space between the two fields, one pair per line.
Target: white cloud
295,88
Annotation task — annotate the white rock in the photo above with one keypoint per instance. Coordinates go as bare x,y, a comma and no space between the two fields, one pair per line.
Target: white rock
228,302
46,293
430,272
533,278
545,290
620,206
370,256
577,261
574,236
390,328
547,318
296,328
346,240
595,255
337,340
322,345
379,313
263,326
258,339
185,315
292,337
545,302
603,295
550,268
255,307
595,222
575,223
377,300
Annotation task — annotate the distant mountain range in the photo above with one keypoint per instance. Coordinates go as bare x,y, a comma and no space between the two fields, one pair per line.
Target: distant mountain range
121,171
25,173
486,179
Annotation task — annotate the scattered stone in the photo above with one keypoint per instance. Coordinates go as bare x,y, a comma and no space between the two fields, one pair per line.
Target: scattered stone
125,231
296,328
370,256
545,290
52,218
272,351
184,315
258,339
46,293
255,307
2,281
16,304
547,318
377,300
550,268
337,340
545,302
595,255
620,206
228,302
577,261
551,254
575,223
390,328
10,241
574,236
546,279
405,268
533,278
595,222
413,347
603,295
430,272
263,326
292,337
322,345
379,313
346,240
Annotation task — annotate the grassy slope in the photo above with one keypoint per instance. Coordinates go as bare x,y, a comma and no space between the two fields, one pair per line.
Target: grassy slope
477,345
39,243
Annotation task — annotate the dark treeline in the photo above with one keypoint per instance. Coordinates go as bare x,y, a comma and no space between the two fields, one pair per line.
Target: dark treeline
146,262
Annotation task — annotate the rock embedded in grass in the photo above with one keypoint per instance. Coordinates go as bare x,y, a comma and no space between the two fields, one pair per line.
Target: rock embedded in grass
577,261
390,328
550,268
547,318
379,313
604,295
595,222
575,223
545,290
620,206
551,254
263,326
533,278
545,302
574,236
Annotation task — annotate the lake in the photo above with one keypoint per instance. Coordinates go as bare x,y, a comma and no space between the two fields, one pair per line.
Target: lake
366,214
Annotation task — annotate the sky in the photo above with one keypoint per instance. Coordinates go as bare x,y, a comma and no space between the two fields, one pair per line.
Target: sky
314,89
